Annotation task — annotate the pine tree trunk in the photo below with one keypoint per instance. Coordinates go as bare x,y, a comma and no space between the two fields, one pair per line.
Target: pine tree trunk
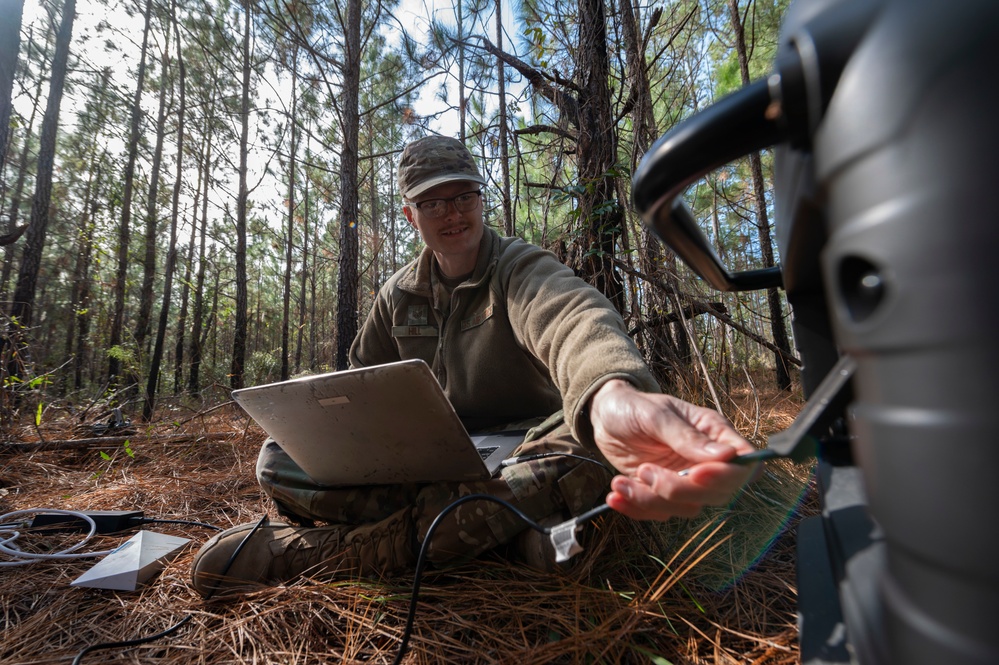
95,200
171,262
185,292
239,333
22,176
83,314
777,327
11,12
197,334
27,278
143,321
347,284
394,220
462,102
304,279
286,314
376,223
508,225
668,346
124,230
197,324
596,153
313,326
211,328
80,288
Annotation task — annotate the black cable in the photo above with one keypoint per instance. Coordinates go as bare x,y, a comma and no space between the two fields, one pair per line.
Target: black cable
235,553
131,643
590,514
421,558
420,562
173,629
510,461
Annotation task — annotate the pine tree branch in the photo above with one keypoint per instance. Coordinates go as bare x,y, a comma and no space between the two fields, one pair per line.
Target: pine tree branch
13,236
551,88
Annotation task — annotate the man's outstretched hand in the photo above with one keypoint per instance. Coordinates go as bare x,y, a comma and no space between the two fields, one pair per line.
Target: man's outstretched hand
650,437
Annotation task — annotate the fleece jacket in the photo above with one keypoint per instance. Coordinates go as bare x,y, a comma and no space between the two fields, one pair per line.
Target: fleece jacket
522,337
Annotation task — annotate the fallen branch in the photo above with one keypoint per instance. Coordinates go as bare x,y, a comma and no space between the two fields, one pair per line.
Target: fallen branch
30,446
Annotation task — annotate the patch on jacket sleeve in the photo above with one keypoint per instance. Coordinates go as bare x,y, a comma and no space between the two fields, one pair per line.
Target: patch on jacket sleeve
417,315
417,323
414,331
477,319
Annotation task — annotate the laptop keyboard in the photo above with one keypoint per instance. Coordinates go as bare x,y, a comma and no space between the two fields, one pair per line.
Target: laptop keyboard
486,451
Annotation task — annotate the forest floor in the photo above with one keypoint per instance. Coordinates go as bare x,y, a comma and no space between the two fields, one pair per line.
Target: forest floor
717,589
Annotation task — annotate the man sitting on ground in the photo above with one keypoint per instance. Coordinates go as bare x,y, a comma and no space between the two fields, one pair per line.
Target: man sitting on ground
513,337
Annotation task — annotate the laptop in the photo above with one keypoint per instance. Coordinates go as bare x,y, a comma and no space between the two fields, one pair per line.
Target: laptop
385,424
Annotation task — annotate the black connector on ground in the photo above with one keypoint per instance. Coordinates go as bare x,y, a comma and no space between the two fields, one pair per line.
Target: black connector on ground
107,521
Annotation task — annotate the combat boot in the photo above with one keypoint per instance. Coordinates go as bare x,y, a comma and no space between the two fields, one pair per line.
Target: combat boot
278,553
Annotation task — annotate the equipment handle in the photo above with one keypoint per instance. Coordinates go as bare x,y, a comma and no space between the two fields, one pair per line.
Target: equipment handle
743,122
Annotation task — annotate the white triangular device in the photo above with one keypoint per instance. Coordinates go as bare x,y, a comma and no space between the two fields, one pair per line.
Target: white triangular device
135,561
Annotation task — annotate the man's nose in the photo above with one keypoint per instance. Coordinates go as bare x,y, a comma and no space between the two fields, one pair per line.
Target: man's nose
451,209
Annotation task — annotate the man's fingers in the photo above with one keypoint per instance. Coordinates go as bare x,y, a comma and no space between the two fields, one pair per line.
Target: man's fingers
658,493
646,505
723,479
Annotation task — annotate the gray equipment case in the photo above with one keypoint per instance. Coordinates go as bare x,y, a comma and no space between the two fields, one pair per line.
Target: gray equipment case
884,116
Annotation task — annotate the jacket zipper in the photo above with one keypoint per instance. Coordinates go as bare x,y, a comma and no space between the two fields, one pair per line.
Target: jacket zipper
442,339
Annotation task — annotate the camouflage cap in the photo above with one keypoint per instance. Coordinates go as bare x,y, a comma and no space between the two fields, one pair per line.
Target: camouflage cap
432,161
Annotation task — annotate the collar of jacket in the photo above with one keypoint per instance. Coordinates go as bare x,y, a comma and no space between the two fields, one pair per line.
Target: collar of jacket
417,280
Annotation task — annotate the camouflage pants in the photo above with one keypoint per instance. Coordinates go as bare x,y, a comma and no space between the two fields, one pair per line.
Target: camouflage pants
401,515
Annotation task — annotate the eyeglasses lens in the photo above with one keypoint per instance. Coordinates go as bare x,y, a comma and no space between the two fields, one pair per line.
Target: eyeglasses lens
438,207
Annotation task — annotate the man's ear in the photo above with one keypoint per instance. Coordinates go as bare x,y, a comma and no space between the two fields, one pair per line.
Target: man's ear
408,212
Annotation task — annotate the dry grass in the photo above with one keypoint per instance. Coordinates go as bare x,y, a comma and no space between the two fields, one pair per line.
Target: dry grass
641,593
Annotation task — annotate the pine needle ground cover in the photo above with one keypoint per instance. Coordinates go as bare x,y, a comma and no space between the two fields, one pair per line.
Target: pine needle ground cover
717,589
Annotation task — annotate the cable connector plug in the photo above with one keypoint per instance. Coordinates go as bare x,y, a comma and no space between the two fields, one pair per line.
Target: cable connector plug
563,535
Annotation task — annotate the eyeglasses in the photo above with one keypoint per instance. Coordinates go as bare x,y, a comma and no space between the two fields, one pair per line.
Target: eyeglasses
434,208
